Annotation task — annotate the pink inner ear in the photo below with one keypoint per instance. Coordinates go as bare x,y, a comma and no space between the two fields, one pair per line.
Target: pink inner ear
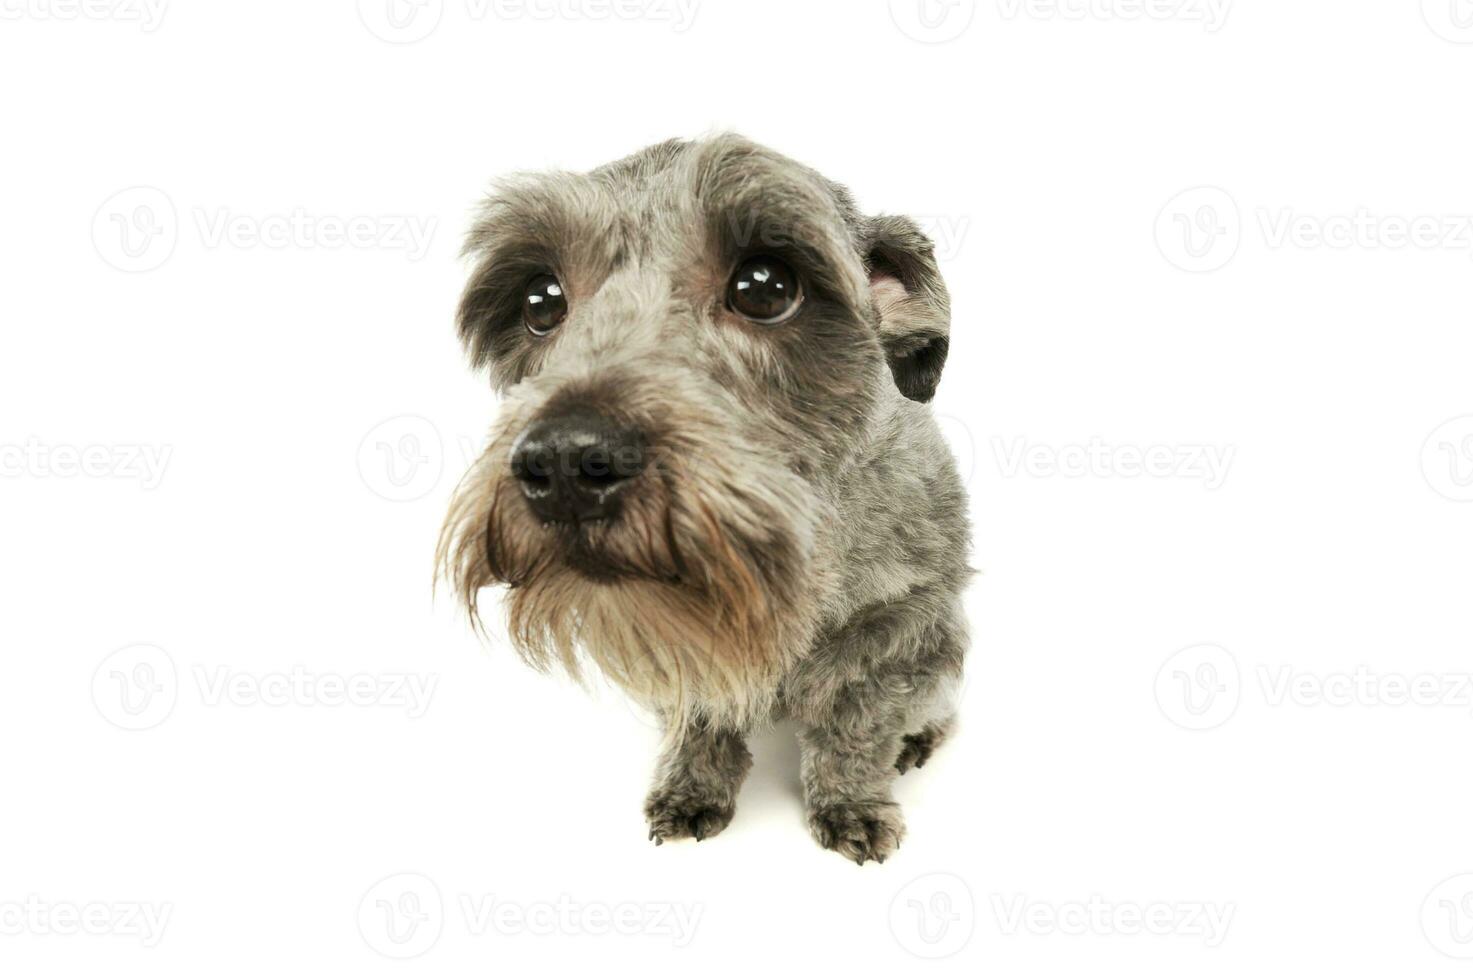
887,291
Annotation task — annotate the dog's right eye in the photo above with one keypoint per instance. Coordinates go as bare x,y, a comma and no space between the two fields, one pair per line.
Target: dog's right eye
765,290
544,305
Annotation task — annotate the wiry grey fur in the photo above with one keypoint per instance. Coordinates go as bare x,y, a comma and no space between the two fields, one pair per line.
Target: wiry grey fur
801,547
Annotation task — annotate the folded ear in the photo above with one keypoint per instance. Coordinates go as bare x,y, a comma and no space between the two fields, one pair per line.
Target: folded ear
912,303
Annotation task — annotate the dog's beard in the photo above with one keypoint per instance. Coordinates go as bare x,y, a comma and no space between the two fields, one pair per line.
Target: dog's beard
694,600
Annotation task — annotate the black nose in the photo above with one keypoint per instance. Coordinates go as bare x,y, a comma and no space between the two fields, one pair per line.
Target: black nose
573,466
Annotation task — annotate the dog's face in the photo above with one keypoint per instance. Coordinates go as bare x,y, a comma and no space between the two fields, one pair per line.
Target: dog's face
692,343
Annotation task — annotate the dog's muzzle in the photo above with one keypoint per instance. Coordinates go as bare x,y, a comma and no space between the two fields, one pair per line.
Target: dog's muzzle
577,465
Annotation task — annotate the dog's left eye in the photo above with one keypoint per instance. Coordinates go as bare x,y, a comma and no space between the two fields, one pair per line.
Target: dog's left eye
765,290
544,305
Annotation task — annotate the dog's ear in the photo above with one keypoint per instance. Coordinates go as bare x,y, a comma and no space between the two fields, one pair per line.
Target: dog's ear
911,300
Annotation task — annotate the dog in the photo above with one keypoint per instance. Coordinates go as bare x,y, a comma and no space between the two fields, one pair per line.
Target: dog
715,476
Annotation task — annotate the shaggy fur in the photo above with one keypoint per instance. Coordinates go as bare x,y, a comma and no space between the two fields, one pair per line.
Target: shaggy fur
797,542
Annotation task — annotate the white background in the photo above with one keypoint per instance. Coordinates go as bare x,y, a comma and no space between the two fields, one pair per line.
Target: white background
1165,234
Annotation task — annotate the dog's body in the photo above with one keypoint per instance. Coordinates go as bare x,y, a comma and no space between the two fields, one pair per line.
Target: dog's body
715,477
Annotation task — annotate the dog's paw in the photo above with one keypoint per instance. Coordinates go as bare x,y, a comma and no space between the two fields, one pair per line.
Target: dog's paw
859,831
673,815
916,749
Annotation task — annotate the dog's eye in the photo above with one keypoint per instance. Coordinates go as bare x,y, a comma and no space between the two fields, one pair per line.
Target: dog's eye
544,306
765,290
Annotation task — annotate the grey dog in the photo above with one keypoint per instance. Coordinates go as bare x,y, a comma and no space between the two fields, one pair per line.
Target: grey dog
714,475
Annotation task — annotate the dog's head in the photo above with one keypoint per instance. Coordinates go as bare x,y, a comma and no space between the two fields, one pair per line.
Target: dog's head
693,344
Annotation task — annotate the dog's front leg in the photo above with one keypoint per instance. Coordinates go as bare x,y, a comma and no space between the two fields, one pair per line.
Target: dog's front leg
848,767
696,783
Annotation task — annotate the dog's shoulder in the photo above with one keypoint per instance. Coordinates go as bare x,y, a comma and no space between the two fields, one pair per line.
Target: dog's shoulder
900,512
